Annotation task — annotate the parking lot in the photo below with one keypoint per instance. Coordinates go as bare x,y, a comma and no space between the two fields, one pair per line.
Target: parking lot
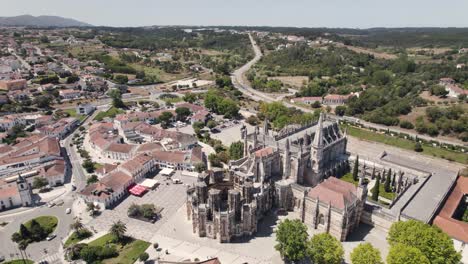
167,195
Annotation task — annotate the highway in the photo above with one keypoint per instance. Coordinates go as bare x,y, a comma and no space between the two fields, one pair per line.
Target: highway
241,83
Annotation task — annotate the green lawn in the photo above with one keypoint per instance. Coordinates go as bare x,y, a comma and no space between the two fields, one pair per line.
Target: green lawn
128,253
407,144
383,193
19,261
72,113
49,223
348,177
74,239
112,112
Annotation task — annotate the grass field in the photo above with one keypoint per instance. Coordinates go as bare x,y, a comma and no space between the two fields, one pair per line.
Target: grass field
128,253
112,112
74,238
19,261
72,113
407,144
383,193
49,223
158,73
348,177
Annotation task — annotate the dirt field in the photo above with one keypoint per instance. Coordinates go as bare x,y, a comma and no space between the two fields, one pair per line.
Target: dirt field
426,95
435,51
138,91
295,81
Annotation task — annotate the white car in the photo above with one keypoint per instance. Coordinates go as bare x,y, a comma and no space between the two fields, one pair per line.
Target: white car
68,211
49,238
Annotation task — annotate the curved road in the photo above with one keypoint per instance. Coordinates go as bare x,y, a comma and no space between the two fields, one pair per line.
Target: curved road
241,83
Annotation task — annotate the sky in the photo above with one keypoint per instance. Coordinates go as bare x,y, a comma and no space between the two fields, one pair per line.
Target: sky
297,13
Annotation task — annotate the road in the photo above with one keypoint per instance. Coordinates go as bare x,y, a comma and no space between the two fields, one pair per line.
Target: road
241,83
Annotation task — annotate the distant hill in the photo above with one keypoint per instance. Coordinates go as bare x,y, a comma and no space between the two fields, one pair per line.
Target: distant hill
41,21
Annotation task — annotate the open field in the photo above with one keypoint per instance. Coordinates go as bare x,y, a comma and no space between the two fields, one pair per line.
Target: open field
49,223
295,81
112,112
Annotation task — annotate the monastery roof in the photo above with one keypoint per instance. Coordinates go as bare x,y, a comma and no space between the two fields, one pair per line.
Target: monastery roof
335,192
264,152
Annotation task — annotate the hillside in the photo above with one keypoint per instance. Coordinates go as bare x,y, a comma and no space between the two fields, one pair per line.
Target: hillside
41,21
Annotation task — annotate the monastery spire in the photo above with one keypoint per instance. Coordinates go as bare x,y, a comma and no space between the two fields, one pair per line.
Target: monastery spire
318,139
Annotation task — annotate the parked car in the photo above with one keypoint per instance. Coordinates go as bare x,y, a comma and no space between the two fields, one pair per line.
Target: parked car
68,211
2,258
59,203
49,238
51,204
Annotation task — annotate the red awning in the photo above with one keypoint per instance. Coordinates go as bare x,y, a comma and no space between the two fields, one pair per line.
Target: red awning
138,190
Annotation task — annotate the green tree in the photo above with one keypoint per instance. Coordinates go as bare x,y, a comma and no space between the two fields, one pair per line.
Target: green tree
340,110
365,253
39,182
291,238
77,225
325,249
190,98
143,257
182,113
37,231
42,101
356,169
88,165
430,240
376,189
165,118
121,79
116,96
118,230
211,124
92,179
90,254
236,150
418,147
402,254
388,180
24,232
200,167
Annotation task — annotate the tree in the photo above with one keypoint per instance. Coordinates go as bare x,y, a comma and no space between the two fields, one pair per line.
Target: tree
24,232
118,230
42,101
90,254
325,249
418,147
39,182
376,189
37,231
116,96
365,253
190,98
88,165
182,113
291,236
236,150
121,79
215,160
165,118
340,110
77,225
143,257
430,240
211,124
356,169
402,254
92,208
94,178
200,167
388,180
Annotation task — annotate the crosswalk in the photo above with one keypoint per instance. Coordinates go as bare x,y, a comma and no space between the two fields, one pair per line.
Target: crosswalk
53,258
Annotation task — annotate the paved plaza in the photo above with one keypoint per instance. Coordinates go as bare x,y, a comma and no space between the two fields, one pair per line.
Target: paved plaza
167,195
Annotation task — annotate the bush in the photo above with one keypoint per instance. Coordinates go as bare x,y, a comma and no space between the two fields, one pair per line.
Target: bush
406,124
143,256
418,147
